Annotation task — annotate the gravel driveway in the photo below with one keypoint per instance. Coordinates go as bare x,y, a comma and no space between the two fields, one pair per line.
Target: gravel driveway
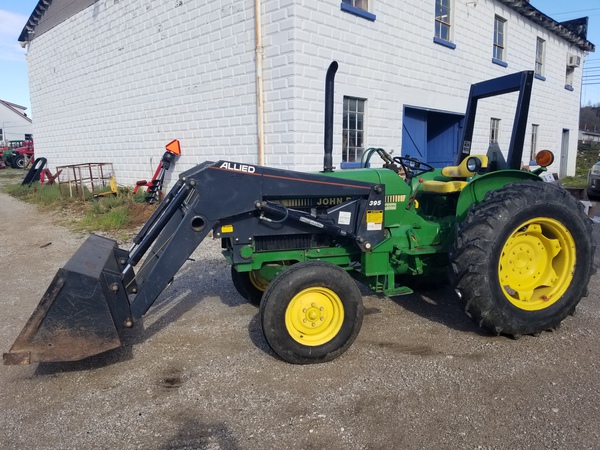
198,374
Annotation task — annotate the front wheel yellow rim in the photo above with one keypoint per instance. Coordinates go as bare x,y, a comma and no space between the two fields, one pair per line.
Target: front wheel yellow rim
314,316
537,264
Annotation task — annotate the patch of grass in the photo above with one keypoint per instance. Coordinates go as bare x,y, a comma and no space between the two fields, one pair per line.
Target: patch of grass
106,214
587,156
16,190
12,175
41,195
574,182
115,212
139,197
123,212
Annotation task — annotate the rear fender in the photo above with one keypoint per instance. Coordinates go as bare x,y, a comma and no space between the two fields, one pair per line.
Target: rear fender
475,191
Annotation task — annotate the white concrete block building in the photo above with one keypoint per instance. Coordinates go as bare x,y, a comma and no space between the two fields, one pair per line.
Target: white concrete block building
15,125
114,81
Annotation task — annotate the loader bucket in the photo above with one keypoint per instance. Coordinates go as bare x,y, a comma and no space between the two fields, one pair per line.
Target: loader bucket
81,312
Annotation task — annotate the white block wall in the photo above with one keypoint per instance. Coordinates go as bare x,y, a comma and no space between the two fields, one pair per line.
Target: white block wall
393,62
119,80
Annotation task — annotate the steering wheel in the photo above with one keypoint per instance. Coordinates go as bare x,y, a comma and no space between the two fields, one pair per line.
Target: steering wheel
413,167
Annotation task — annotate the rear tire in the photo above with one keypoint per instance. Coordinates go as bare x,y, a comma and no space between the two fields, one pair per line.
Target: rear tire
523,258
311,312
249,285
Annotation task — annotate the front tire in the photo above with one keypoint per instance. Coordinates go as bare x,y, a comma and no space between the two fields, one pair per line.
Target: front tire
311,312
18,162
523,258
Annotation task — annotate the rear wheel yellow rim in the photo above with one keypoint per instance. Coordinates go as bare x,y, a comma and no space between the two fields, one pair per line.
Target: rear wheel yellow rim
537,264
257,281
314,316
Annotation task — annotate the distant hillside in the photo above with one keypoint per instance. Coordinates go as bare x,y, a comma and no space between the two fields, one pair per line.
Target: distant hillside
589,118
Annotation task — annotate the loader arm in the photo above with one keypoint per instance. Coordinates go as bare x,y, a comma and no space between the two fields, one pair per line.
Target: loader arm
217,193
103,289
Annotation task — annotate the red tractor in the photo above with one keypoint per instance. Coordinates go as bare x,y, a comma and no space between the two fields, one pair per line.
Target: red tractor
21,156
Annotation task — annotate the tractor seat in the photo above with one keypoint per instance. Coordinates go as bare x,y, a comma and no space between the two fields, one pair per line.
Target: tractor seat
451,186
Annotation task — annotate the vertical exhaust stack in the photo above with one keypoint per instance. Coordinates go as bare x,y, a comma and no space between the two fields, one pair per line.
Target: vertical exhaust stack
329,89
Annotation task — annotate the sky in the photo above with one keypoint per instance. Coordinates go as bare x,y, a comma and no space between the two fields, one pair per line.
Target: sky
14,84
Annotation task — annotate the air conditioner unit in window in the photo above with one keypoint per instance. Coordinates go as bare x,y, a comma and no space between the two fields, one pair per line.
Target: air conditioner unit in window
573,61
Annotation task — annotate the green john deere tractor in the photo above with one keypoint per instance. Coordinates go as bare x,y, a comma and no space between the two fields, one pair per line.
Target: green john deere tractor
519,250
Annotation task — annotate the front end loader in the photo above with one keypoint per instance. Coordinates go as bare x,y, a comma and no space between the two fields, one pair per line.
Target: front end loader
519,250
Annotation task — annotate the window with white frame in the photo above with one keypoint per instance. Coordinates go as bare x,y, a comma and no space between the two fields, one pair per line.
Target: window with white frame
494,130
353,129
360,4
539,57
499,38
569,77
534,135
1,135
442,19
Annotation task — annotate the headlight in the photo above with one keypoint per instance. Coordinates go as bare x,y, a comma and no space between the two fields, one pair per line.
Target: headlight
596,169
473,164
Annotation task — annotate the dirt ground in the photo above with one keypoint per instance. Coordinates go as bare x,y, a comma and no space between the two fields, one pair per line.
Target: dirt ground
198,374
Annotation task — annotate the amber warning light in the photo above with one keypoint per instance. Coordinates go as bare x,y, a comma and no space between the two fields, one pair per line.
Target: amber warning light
544,158
173,147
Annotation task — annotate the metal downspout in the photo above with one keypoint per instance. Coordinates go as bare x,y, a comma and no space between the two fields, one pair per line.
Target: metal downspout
259,87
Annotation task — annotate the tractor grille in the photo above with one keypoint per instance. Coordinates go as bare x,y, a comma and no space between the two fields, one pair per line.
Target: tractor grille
290,242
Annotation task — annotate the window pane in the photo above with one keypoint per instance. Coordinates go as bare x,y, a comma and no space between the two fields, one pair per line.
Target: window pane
362,4
494,130
534,132
353,129
359,138
442,19
499,33
539,57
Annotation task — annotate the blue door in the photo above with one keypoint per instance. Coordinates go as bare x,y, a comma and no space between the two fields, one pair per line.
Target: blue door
431,136
414,133
442,138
